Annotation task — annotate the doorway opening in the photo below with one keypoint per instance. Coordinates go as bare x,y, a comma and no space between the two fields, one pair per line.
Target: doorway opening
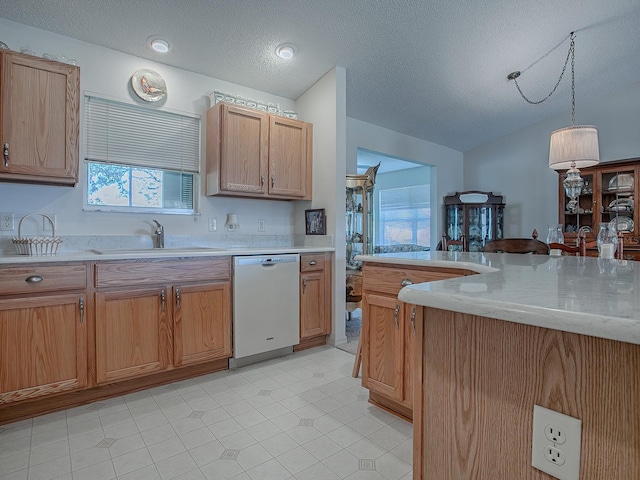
400,215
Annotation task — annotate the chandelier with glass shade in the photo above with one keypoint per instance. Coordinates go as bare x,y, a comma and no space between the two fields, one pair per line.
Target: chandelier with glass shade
571,147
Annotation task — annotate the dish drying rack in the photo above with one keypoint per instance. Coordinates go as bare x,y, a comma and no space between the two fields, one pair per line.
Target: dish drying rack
37,245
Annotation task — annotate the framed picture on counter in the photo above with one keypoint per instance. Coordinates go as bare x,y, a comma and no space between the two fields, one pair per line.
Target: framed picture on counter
315,222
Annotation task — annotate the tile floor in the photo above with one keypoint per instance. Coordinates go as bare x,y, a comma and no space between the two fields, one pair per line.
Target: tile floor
299,417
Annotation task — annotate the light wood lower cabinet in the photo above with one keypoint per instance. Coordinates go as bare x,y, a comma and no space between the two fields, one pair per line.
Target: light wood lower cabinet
315,299
389,332
202,323
43,330
131,333
144,329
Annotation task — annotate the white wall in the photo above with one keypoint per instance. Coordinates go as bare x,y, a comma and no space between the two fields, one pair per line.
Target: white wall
324,105
516,165
446,176
108,72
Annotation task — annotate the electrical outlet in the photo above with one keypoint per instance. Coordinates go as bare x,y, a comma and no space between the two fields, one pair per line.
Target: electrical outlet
261,225
555,434
556,443
213,225
7,221
554,455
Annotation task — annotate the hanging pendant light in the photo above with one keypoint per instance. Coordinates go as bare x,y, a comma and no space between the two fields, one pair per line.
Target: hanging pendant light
570,147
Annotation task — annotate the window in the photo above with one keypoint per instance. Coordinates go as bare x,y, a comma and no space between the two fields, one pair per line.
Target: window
139,159
405,216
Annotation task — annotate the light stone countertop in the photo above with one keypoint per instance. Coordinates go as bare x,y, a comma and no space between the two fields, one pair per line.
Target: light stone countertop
133,253
589,296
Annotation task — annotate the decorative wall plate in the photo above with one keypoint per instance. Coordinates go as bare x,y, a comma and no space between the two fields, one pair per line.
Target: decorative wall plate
148,85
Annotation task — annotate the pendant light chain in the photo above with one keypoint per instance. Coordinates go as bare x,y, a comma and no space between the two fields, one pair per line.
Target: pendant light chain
572,50
570,54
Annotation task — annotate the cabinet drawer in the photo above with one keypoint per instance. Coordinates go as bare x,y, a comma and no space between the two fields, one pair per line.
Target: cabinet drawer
312,262
42,278
389,280
156,272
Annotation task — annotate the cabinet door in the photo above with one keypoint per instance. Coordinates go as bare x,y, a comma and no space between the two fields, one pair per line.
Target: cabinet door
312,305
131,333
289,147
413,316
383,347
244,143
43,346
40,105
202,323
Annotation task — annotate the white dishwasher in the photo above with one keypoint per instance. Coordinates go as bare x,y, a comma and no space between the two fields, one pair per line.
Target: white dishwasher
266,307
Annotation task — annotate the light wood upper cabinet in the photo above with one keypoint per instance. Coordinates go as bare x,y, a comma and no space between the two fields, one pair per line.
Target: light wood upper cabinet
289,158
254,154
237,151
39,119
43,333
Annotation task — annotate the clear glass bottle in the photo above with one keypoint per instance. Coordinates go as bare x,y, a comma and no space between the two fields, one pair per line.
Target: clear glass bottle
607,241
555,234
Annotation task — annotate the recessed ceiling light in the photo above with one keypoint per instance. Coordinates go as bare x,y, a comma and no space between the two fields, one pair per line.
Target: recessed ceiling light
285,51
158,44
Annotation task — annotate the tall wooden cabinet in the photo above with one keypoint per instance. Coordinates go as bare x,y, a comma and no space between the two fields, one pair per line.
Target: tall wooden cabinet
359,231
39,119
43,330
608,197
253,154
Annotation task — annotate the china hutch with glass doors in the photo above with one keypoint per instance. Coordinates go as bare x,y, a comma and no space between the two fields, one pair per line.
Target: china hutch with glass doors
477,215
607,197
359,230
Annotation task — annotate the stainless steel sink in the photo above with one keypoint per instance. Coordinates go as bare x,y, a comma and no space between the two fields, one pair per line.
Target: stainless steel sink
137,251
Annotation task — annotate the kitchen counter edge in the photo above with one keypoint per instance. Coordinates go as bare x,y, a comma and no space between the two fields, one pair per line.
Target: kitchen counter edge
524,302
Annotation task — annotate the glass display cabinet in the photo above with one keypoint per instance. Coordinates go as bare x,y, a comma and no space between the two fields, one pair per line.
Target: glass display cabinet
607,198
359,230
477,215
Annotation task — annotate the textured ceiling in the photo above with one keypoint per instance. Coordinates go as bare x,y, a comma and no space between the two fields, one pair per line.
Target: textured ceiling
432,69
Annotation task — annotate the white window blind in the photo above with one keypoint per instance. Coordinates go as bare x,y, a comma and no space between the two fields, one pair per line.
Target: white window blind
132,135
404,198
404,216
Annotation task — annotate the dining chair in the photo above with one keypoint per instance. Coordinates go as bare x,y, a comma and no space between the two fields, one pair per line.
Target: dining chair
461,242
517,245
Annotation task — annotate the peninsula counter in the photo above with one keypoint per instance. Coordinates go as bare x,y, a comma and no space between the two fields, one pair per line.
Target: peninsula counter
559,332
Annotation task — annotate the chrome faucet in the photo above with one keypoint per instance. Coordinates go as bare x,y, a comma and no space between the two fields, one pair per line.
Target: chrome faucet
158,240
